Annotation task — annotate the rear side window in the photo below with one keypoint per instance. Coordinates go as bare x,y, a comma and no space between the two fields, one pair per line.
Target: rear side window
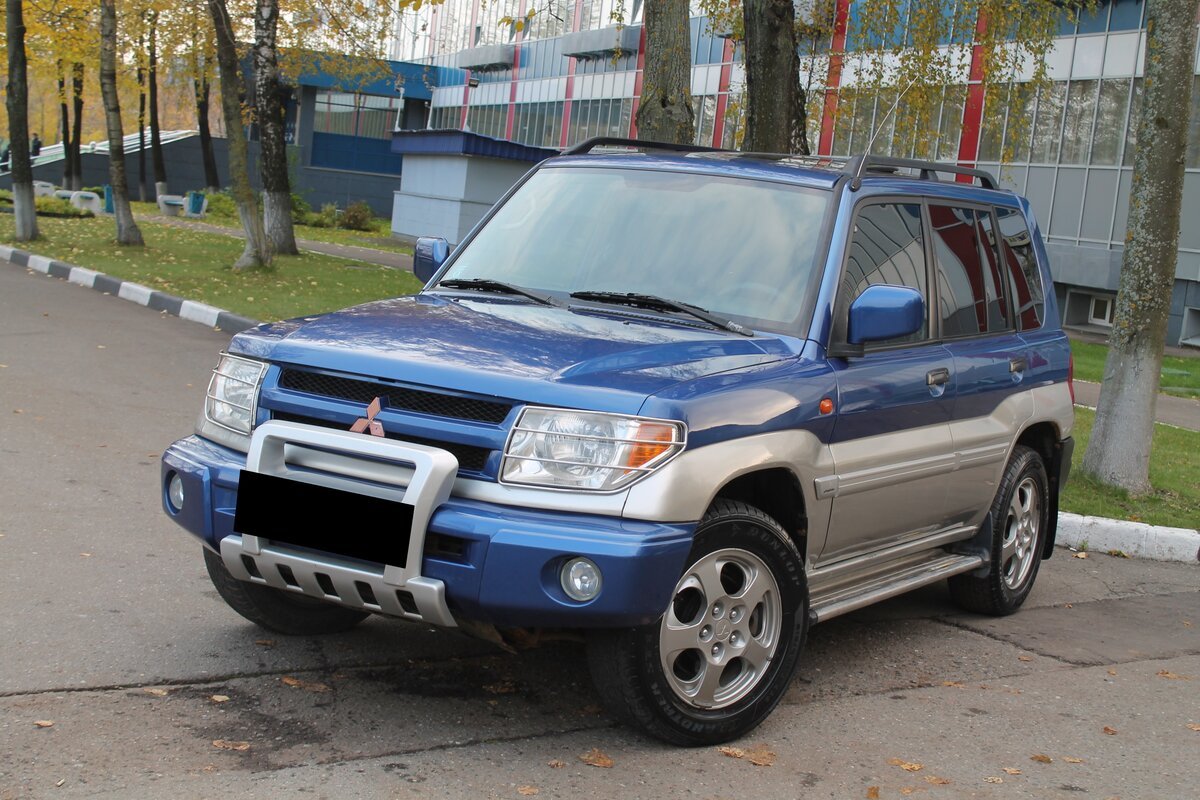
970,282
886,247
1016,248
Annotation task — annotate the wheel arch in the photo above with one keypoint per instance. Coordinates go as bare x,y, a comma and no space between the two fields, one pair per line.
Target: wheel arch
777,492
1045,439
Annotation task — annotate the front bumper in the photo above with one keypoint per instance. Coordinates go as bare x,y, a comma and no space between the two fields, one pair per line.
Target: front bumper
503,567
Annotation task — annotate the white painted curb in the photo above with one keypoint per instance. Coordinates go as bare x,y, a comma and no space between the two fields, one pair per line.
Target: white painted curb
1132,538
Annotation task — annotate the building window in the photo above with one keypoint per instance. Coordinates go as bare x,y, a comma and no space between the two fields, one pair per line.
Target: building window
1101,311
1047,126
1110,120
1077,127
366,115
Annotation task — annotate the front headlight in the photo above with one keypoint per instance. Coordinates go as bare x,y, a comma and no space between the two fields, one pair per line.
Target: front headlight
586,449
233,393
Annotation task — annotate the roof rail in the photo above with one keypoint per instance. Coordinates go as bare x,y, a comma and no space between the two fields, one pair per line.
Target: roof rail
857,165
586,146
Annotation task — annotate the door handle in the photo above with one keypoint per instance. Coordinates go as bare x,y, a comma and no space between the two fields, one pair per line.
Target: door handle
937,377
1018,364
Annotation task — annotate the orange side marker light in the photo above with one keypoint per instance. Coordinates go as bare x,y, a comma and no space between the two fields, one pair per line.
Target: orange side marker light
826,406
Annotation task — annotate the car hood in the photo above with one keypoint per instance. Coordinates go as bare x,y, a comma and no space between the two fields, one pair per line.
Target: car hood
513,349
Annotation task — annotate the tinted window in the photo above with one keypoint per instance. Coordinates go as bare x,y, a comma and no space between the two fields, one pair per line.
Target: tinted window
1016,245
970,284
886,247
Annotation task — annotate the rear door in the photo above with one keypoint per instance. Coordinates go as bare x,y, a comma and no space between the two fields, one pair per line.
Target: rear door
891,443
978,327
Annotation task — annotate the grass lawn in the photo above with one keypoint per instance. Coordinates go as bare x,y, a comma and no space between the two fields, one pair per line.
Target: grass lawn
195,265
380,238
1175,500
1180,376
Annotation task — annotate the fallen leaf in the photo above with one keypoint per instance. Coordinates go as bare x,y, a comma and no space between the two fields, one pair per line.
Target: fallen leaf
1109,731
1187,623
1024,658
993,779
1072,760
1068,605
732,752
501,687
1112,672
955,684
936,781
1115,553
1041,758
1080,555
1012,770
554,763
1192,726
596,758
220,698
527,791
225,744
760,755
308,686
1173,676
872,793
156,691
265,642
907,766
44,723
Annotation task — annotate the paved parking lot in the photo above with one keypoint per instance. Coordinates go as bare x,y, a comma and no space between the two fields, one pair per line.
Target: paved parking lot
113,633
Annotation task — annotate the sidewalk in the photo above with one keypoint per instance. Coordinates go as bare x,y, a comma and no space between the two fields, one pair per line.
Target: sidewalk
1182,412
383,258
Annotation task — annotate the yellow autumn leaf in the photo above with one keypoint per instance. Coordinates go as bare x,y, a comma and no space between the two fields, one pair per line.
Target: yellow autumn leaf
1041,758
936,781
527,791
225,744
907,766
596,758
872,793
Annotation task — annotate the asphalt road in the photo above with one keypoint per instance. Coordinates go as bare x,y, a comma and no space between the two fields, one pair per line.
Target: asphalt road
112,632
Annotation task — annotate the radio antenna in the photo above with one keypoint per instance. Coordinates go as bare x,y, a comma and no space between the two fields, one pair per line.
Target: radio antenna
862,163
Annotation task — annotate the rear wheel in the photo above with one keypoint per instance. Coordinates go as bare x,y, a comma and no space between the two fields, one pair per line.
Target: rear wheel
276,610
720,658
1020,516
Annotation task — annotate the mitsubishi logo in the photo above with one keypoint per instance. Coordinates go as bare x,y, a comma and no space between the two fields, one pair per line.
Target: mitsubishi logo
369,422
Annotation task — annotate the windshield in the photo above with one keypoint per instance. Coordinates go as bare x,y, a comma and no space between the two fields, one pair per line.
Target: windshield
740,248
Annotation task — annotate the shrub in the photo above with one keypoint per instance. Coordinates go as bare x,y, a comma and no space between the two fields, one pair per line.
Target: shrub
221,204
300,209
327,217
358,217
97,189
58,207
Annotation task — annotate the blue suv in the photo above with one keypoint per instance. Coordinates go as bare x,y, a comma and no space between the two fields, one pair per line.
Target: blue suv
689,402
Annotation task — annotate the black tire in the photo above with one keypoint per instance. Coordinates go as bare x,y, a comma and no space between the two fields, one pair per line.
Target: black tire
278,611
629,672
1002,590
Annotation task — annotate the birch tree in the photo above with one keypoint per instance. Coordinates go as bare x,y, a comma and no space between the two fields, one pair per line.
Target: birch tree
1118,451
128,232
273,163
16,98
775,116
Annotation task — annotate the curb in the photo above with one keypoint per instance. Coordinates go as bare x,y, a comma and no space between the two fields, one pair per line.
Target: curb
1135,539
209,316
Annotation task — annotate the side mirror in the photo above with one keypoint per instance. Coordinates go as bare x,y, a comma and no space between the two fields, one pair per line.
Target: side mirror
429,254
885,312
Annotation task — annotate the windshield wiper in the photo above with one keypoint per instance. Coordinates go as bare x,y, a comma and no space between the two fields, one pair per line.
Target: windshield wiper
656,303
489,285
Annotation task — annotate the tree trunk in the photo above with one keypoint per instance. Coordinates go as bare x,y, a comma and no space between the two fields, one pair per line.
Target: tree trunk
212,180
128,232
64,112
258,247
156,152
272,162
665,109
775,116
16,95
142,186
1118,451
76,153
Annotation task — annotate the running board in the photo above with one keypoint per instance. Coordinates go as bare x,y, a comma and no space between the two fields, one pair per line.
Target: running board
845,599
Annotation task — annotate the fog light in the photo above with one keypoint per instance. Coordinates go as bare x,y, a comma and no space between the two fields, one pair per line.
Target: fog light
581,579
175,492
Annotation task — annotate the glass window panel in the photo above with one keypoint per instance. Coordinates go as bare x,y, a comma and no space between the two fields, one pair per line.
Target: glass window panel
1047,127
1081,108
970,299
626,115
710,113
1094,20
991,137
1135,111
1126,15
950,127
1017,246
886,247
864,116
1110,120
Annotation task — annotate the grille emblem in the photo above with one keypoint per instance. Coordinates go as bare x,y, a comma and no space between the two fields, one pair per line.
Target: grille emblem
369,422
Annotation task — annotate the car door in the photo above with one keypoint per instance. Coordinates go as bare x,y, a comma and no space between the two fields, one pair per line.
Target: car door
991,360
891,442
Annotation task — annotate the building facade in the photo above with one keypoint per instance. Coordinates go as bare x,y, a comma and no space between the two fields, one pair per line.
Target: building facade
570,71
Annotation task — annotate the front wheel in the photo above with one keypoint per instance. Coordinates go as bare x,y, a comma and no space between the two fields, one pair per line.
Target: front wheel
1020,519
720,658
